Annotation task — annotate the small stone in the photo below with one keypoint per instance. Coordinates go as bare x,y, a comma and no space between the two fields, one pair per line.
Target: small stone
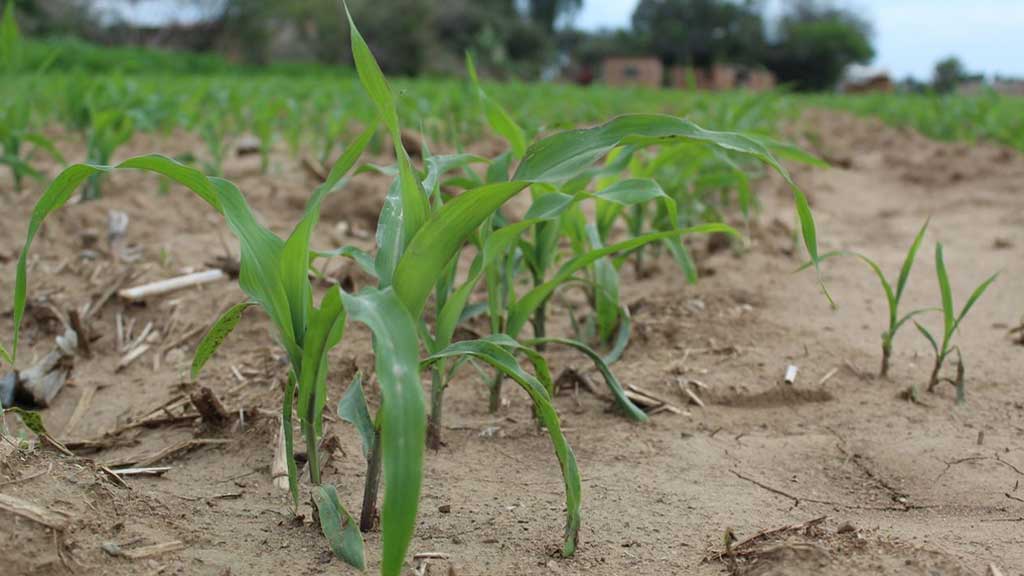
846,528
444,508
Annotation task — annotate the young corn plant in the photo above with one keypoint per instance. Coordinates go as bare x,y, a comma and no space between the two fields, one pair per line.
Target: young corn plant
420,235
109,128
15,135
559,184
892,297
16,112
950,322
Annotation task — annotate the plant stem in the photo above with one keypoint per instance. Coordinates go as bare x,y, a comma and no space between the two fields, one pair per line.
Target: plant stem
495,400
92,188
312,448
437,387
886,353
540,323
368,516
934,380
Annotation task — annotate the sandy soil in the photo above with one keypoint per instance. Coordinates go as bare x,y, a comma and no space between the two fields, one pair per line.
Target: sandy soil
904,488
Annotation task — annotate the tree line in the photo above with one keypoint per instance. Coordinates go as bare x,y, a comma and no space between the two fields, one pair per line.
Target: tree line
807,47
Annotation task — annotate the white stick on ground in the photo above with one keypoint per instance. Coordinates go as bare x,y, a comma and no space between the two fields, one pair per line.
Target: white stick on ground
790,377
171,285
279,468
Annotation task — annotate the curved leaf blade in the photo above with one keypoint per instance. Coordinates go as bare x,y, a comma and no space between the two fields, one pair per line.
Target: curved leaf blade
402,416
215,336
502,360
352,408
613,383
338,526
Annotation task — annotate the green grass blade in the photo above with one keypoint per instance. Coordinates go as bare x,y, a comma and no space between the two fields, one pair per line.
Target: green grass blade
500,120
428,254
295,254
56,195
621,338
5,355
565,155
606,293
613,383
908,262
415,207
974,298
402,416
928,336
390,236
437,166
909,316
44,143
11,47
520,312
361,257
187,176
338,526
352,408
948,318
502,360
260,275
326,326
216,334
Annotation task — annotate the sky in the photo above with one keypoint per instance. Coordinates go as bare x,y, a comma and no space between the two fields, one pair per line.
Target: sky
909,35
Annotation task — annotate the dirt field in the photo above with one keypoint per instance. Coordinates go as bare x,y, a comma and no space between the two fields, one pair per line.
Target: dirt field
904,488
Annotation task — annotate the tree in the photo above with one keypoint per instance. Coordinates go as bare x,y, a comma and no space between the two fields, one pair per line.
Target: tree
546,12
816,42
949,73
701,32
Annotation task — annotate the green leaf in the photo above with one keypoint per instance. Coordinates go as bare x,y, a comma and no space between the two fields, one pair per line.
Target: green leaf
567,154
295,254
910,315
390,236
621,337
947,296
415,208
187,176
11,47
520,312
437,166
428,254
402,416
260,275
609,377
326,326
606,293
500,120
31,419
216,334
974,298
908,262
352,408
564,155
44,143
493,354
338,526
5,355
929,337
362,258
